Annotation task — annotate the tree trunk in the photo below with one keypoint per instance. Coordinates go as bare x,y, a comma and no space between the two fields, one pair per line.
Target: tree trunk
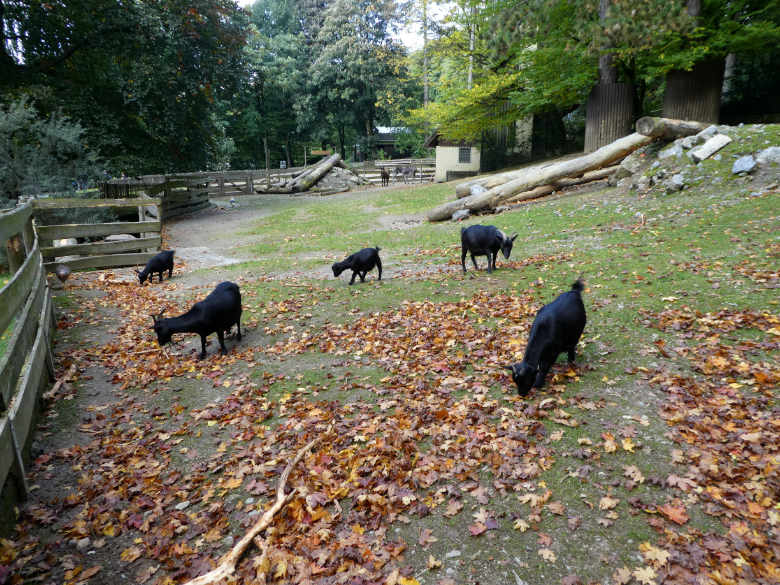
304,181
425,53
267,163
667,128
695,94
609,114
533,176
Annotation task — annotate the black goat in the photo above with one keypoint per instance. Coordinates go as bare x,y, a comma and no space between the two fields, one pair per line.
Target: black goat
216,313
385,177
484,240
157,265
360,263
557,327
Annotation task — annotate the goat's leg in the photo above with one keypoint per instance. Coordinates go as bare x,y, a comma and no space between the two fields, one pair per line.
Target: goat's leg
474,261
544,367
463,253
238,326
221,337
354,273
379,268
202,347
491,259
170,273
363,275
572,354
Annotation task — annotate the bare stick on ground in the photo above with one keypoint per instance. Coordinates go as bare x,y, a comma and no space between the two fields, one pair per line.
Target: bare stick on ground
227,565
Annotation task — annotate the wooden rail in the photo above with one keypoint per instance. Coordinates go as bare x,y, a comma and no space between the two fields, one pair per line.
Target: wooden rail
26,364
130,252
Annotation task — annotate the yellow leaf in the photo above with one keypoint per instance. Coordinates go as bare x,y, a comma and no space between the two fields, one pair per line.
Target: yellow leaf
628,444
433,562
233,483
547,554
521,525
607,503
130,554
281,569
109,530
408,581
645,575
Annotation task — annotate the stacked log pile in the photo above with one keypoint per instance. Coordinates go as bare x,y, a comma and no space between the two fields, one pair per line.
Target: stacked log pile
330,175
488,193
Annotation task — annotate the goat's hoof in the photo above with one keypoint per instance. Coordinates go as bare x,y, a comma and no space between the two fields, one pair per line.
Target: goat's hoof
202,356
238,337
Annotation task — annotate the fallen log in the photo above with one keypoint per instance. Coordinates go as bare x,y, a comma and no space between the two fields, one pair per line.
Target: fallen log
227,565
535,176
482,184
560,184
668,128
305,180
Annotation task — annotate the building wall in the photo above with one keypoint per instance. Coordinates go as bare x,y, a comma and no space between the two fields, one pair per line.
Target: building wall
447,160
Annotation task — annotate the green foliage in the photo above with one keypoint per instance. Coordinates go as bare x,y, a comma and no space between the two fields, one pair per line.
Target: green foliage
41,154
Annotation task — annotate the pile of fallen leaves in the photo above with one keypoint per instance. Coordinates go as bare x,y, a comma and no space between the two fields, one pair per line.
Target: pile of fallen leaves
725,418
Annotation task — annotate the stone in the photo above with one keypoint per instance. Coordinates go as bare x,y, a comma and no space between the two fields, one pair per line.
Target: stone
674,150
83,543
709,148
642,183
707,133
182,505
690,141
744,164
502,208
769,155
461,214
675,183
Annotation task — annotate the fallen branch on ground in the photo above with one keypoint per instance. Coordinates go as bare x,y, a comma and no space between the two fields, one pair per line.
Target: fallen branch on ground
227,565
61,380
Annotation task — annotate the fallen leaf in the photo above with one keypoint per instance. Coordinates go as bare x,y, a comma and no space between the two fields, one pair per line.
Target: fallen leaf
607,503
547,554
675,513
645,575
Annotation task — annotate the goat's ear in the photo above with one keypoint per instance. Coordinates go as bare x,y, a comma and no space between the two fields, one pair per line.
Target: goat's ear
513,236
137,271
154,317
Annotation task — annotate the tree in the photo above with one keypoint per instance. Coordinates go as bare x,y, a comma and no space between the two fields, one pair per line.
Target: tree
355,61
41,155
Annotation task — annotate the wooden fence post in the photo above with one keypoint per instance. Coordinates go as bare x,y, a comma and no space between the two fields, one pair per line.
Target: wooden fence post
18,464
15,250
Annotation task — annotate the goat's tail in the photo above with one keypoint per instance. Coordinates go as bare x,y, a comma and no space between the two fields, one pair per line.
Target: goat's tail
578,285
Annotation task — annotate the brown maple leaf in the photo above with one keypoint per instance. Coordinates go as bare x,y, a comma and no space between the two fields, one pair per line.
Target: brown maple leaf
674,512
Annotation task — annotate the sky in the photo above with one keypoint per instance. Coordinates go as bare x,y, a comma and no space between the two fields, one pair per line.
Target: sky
410,36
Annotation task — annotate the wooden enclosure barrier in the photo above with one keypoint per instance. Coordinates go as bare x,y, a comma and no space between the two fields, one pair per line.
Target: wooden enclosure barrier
129,252
176,194
26,363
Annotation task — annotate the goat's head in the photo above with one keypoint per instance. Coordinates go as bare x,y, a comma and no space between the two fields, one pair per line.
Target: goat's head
161,328
141,275
523,376
506,245
338,268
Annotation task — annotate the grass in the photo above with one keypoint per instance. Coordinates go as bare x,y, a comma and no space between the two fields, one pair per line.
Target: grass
630,266
637,253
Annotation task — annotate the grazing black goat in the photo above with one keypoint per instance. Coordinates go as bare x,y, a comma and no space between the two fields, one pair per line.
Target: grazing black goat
218,312
360,263
484,240
385,177
557,327
157,265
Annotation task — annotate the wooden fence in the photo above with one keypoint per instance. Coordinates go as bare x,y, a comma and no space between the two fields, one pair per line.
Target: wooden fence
26,363
131,251
242,182
176,194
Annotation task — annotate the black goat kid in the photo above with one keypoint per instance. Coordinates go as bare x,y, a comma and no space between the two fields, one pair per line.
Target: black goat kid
557,327
157,265
217,313
484,240
360,263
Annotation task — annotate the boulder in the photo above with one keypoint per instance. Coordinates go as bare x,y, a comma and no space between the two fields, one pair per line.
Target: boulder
744,164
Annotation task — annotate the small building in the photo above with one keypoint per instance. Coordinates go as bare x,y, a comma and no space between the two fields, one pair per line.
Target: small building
385,139
454,160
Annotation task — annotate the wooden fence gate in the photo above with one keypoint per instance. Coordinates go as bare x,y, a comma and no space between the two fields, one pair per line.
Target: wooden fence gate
132,251
26,361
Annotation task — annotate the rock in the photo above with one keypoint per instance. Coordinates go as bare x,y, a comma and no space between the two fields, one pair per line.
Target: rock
744,164
120,238
709,148
690,141
624,183
460,215
642,183
83,543
674,150
675,183
769,155
182,505
502,208
707,133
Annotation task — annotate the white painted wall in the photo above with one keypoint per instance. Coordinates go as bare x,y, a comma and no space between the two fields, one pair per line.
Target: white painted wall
447,160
